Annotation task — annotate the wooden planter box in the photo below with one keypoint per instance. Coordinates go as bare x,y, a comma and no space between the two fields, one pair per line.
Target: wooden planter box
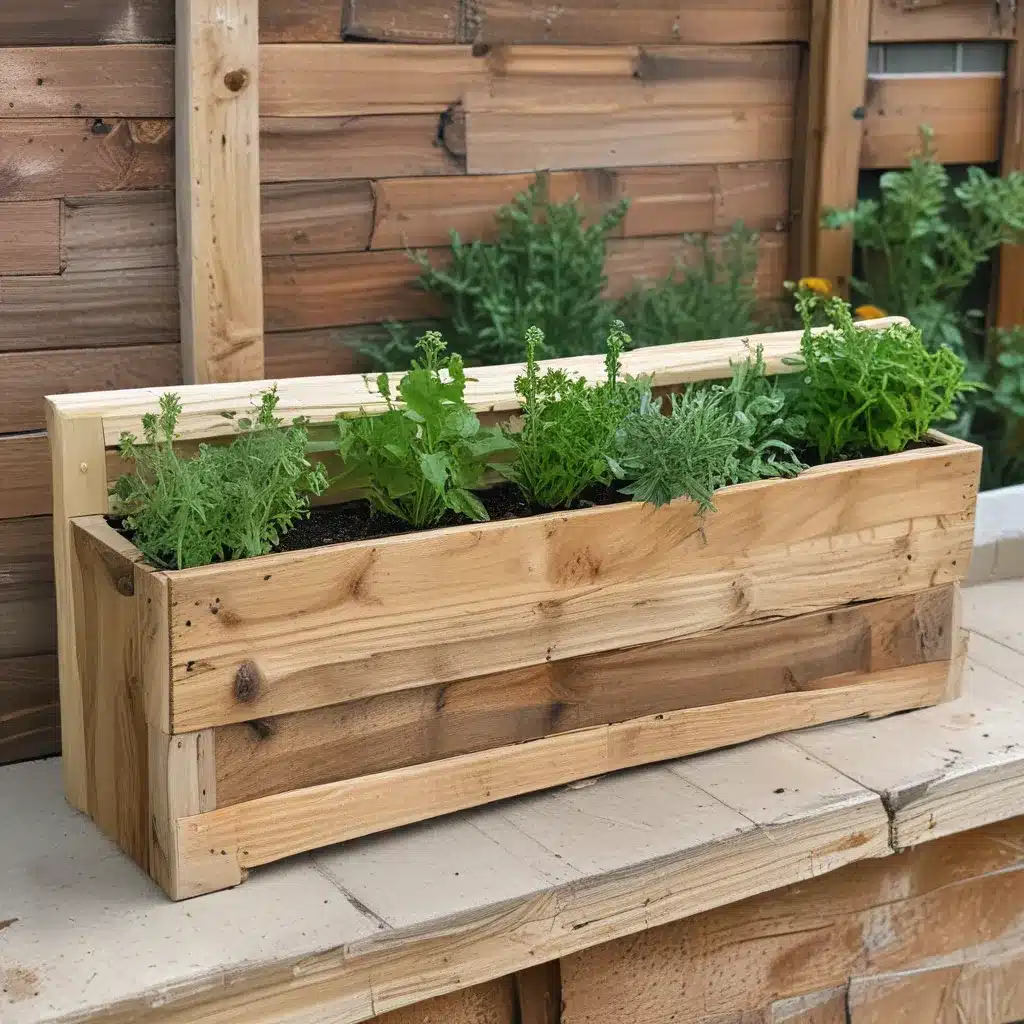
224,717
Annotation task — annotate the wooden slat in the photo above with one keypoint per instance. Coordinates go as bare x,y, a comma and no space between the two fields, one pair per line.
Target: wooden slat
576,21
1009,297
29,708
274,755
326,148
420,212
54,157
132,307
964,111
842,128
30,238
119,231
312,80
300,21
749,568
26,551
339,289
29,376
325,350
90,81
900,21
25,465
81,22
317,217
217,189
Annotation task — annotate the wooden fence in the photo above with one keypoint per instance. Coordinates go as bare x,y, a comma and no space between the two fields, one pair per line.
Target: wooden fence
326,136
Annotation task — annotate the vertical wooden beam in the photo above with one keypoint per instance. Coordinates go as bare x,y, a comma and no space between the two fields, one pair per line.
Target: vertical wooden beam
218,190
845,87
539,994
1010,294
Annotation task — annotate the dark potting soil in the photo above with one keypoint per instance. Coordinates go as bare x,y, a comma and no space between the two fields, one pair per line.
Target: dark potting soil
357,520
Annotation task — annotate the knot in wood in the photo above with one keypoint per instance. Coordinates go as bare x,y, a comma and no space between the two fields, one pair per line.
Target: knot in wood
126,586
247,682
236,80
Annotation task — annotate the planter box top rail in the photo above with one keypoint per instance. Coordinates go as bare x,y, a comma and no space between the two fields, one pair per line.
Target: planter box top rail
491,390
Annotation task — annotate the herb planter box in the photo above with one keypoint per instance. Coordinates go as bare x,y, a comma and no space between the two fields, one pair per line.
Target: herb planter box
224,717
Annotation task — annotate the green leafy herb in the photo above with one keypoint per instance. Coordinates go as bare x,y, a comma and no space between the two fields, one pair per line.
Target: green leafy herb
226,501
423,457
861,391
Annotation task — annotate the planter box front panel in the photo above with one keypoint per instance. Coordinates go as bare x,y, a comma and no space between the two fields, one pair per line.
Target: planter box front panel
291,632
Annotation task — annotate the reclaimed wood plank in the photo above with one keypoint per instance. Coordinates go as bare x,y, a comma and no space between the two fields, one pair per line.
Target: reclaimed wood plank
25,465
30,238
325,350
29,376
119,231
131,307
273,755
300,21
26,551
28,624
53,157
552,560
217,189
83,22
964,111
29,707
316,217
895,21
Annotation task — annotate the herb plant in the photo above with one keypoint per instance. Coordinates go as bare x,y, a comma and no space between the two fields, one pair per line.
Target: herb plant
867,390
422,458
569,427
713,298
226,501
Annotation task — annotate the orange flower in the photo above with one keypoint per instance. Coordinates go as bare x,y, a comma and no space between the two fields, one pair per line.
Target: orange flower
821,285
869,313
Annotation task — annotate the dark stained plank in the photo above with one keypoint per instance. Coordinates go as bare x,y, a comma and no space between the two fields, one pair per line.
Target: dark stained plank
29,708
25,468
80,22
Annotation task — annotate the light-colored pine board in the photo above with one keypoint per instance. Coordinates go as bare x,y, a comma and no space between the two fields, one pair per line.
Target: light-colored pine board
217,182
825,1007
29,376
492,389
964,111
25,465
29,707
429,723
1009,300
30,238
53,157
82,22
300,21
316,217
118,231
896,21
313,80
87,81
131,307
842,128
327,148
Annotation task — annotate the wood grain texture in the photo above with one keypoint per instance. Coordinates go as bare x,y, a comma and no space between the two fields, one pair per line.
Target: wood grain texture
316,217
130,307
845,59
964,111
29,708
494,1002
53,157
896,21
25,465
1009,298
29,376
274,755
299,21
217,183
30,238
325,350
82,22
119,231
628,574
539,994
89,81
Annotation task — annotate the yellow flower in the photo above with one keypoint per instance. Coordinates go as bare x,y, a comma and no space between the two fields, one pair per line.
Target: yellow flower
821,285
869,313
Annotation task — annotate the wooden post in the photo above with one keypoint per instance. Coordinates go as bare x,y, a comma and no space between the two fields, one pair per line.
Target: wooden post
1010,297
844,88
218,190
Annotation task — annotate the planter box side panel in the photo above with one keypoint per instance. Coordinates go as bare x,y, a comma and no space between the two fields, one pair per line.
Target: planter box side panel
319,627
817,651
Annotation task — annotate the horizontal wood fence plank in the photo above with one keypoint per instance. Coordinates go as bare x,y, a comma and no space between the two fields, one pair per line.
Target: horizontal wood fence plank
317,217
325,350
30,237
340,289
81,22
29,707
326,148
28,620
25,466
90,81
131,307
26,551
897,21
964,111
274,755
577,21
119,231
54,157
29,376
300,21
